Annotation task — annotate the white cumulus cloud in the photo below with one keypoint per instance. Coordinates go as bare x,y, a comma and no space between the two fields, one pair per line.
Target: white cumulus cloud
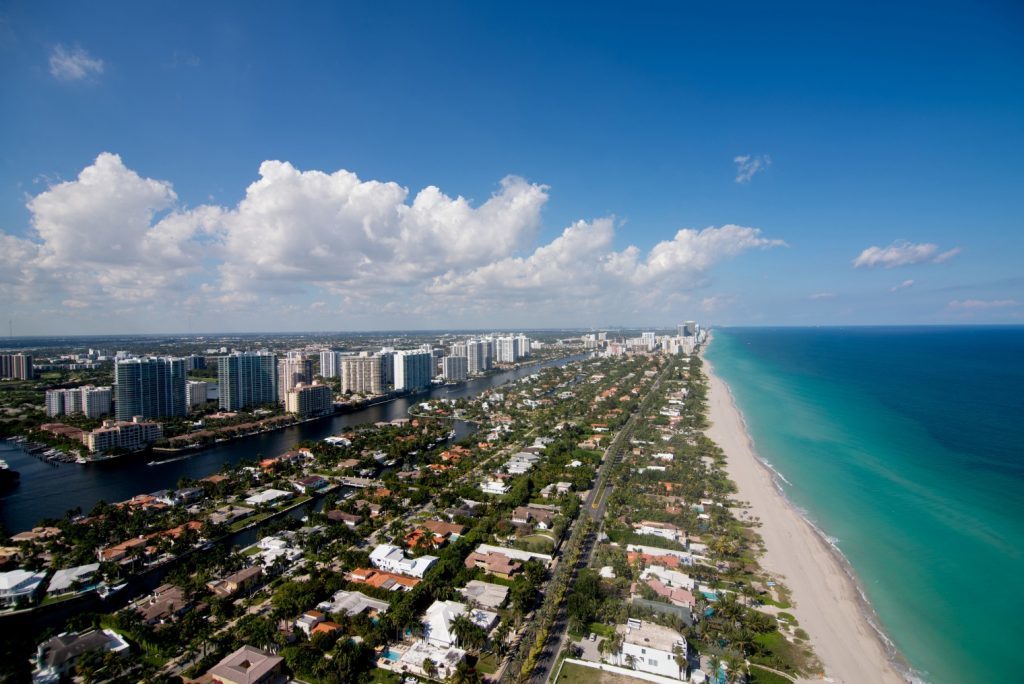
903,253
73,64
748,166
330,243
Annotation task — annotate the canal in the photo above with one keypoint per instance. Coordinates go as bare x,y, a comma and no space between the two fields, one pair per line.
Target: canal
47,491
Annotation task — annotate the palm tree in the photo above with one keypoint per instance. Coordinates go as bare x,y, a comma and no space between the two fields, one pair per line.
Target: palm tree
680,657
470,636
715,665
460,628
429,668
464,674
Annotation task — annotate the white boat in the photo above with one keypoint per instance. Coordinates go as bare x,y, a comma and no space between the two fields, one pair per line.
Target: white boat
105,590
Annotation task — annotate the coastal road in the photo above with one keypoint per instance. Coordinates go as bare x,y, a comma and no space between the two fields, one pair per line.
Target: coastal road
595,506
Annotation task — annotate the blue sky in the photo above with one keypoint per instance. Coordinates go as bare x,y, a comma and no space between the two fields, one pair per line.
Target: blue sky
255,166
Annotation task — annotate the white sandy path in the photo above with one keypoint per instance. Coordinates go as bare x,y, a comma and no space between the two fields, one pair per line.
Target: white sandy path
824,597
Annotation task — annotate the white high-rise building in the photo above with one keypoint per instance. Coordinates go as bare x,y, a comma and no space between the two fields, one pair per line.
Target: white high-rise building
291,371
310,400
198,392
246,379
480,354
524,345
506,349
62,402
387,367
414,369
455,368
330,363
96,401
361,374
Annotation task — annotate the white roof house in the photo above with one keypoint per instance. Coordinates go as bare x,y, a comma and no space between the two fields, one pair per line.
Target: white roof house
658,529
672,578
66,580
446,660
267,496
18,584
393,559
494,487
352,603
648,647
485,594
439,616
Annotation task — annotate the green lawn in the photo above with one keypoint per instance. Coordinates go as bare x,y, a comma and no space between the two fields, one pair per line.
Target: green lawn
487,663
759,676
539,540
245,522
57,599
577,674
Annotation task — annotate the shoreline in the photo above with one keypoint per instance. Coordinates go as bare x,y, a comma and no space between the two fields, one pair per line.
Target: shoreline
827,600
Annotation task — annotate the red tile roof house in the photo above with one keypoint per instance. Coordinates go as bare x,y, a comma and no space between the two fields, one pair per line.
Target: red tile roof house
441,527
497,564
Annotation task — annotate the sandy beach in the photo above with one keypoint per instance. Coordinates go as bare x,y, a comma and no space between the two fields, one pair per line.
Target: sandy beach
826,601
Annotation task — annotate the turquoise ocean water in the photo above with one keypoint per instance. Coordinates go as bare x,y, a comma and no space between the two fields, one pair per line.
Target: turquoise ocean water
906,447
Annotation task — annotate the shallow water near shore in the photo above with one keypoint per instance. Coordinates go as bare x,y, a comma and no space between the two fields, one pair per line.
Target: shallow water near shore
904,445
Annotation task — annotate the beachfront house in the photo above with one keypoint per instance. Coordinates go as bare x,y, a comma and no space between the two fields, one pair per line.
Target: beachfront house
648,647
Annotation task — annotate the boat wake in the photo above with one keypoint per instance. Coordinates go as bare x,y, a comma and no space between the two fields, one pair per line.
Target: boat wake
170,460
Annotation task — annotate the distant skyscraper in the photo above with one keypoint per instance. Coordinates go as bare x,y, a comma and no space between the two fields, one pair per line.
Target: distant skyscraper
524,345
455,368
690,329
413,369
506,349
361,374
16,366
480,354
330,363
150,387
247,379
291,371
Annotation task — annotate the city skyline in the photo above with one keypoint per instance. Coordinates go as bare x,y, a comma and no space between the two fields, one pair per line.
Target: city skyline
275,169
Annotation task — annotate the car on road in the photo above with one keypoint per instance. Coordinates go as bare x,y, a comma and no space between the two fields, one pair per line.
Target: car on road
592,636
